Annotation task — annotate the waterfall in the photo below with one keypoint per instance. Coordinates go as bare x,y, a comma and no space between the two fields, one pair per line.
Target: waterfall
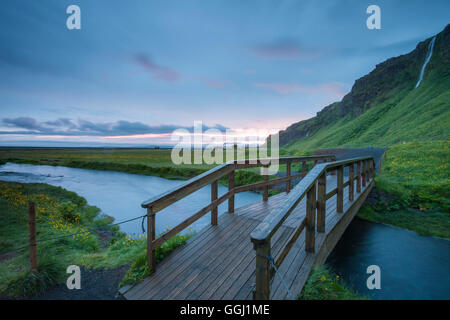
427,59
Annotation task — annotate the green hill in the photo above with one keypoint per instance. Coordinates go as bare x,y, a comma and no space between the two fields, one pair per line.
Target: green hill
383,108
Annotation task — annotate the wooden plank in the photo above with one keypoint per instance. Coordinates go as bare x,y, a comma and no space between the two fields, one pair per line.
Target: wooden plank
183,225
261,184
246,269
168,280
270,224
290,244
167,198
196,280
331,193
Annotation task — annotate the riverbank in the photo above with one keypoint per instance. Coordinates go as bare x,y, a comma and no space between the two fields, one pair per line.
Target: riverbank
82,236
148,162
413,189
324,284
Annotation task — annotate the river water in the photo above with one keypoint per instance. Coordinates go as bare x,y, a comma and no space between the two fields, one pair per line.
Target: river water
120,194
412,266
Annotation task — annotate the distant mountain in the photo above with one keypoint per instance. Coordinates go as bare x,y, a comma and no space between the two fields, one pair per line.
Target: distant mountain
383,107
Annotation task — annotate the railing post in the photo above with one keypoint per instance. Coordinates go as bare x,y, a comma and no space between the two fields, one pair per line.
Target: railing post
32,235
358,176
310,219
363,175
151,251
288,174
340,190
263,270
231,187
266,187
321,202
214,192
351,186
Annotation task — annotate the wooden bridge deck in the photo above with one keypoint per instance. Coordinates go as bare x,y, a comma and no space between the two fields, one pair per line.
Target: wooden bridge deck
219,262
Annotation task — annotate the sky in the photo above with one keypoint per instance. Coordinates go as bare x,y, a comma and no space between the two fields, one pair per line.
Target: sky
138,70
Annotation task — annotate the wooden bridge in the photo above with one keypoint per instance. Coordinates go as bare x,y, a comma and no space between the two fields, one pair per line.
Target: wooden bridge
234,257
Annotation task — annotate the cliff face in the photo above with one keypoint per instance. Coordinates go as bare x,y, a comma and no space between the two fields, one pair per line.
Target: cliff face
387,80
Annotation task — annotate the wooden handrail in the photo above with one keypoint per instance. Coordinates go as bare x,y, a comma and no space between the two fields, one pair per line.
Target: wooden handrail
167,198
262,234
212,177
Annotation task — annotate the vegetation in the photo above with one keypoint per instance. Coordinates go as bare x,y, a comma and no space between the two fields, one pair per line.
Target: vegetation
415,180
384,110
140,269
324,284
150,162
65,216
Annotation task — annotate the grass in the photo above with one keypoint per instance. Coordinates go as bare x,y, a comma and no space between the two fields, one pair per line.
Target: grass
415,178
59,213
324,284
418,173
150,162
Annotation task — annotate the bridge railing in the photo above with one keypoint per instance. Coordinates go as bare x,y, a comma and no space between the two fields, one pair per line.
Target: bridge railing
312,185
212,177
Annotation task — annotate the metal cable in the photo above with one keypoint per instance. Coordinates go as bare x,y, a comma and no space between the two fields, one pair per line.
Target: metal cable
71,235
277,273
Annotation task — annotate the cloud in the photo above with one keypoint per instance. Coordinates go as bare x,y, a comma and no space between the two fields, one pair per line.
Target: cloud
22,122
159,72
67,127
284,50
212,82
333,89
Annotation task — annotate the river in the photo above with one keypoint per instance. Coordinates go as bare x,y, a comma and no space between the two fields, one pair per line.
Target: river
412,266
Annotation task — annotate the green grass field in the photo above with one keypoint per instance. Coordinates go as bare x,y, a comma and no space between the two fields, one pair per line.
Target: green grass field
60,213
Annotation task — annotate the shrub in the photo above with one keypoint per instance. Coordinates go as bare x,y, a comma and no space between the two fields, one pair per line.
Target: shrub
49,272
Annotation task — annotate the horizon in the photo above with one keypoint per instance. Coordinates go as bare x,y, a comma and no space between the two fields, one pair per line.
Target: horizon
135,73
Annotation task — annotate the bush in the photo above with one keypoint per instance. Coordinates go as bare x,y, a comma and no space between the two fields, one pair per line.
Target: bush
68,210
49,272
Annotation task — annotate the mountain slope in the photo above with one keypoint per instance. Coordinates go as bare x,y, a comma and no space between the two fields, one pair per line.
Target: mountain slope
383,108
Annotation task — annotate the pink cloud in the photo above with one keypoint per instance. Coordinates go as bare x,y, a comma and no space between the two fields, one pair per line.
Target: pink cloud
284,50
212,82
160,73
333,89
